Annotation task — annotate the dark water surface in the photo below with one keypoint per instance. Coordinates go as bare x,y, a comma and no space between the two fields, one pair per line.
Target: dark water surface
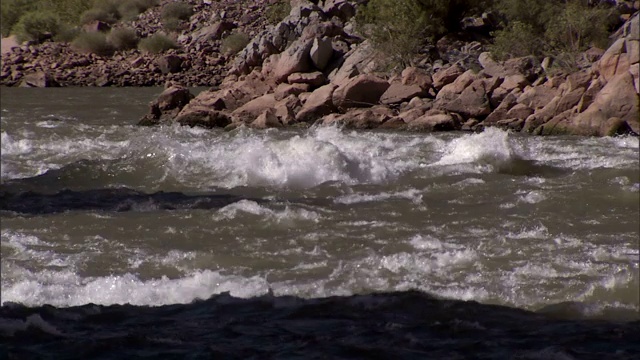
127,242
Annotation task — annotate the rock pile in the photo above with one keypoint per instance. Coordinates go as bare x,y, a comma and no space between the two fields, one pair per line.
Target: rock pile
309,69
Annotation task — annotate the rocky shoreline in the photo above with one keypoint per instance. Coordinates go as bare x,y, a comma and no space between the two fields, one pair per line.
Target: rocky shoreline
312,68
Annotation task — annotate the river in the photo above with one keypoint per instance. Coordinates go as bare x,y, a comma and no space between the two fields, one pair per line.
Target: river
121,241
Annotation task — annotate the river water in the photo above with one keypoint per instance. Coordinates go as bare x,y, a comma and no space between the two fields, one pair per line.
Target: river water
121,241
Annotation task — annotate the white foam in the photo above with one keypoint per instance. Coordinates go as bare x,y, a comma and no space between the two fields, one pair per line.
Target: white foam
414,195
533,197
490,148
328,154
248,207
66,288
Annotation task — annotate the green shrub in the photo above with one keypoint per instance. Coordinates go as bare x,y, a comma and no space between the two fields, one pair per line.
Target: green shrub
157,43
534,13
276,12
95,14
578,26
36,26
67,10
551,28
11,11
130,9
67,33
233,43
516,40
95,42
396,28
123,38
176,10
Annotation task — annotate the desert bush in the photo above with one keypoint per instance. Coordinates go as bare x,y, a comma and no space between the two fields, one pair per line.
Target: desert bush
396,28
578,26
130,9
157,43
95,42
517,39
233,43
67,10
173,14
534,13
176,10
95,14
11,11
36,26
551,28
123,38
276,12
67,33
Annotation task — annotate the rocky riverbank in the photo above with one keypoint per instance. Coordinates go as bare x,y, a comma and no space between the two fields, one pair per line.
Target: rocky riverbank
313,68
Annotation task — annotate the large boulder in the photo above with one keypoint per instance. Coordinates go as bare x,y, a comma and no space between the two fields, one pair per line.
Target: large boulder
357,61
446,76
39,79
416,76
248,112
321,52
294,59
537,97
360,91
617,100
434,120
319,104
203,117
473,102
398,93
174,97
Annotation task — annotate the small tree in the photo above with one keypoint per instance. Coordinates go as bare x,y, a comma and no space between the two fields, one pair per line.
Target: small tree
95,42
123,38
157,43
37,26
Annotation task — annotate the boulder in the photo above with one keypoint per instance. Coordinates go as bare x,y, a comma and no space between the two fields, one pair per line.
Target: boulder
358,119
342,9
266,119
248,112
360,91
515,81
314,79
294,59
203,117
434,121
169,64
285,109
415,76
589,95
321,52
579,79
174,97
490,66
519,111
397,93
284,90
451,91
212,32
537,97
355,62
319,104
39,79
617,99
446,76
500,112
472,102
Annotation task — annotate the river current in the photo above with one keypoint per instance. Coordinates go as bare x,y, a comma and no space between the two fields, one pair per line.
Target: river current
121,241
